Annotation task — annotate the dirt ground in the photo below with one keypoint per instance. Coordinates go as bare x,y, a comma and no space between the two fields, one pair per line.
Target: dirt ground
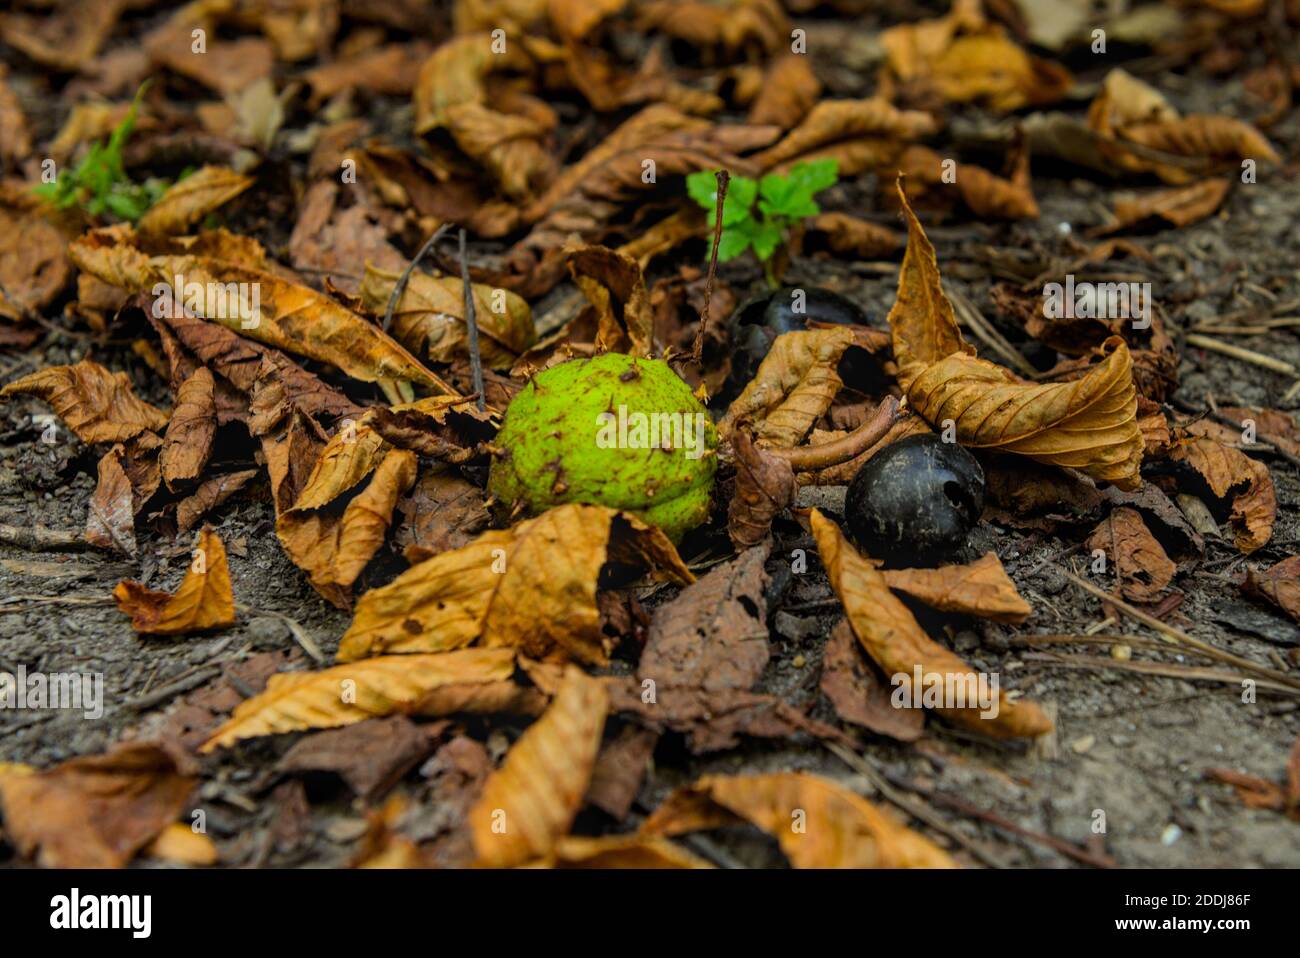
1128,745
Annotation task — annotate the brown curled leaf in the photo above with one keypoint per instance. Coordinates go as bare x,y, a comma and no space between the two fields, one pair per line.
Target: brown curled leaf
980,588
188,440
765,485
1235,478
532,799
1089,423
793,388
188,201
110,523
532,587
204,599
97,405
1142,568
346,694
897,643
843,830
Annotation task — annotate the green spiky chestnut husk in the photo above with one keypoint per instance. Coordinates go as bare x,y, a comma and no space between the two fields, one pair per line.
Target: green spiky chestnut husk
561,442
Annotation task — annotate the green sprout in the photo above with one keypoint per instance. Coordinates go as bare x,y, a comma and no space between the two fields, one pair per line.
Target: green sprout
783,201
99,183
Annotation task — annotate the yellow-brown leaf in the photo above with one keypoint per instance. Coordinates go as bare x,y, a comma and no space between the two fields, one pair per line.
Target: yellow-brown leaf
1232,475
840,829
352,693
188,440
97,405
530,802
897,643
1089,423
980,588
532,587
794,386
188,201
203,601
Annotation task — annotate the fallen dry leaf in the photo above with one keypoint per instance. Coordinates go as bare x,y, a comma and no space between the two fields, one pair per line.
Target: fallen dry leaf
620,769
794,386
531,801
1142,569
203,601
1180,206
980,588
188,440
97,405
110,523
347,694
620,851
210,494
67,40
189,200
859,695
1279,584
818,823
713,635
765,485
1089,424
370,756
97,811
180,844
858,134
790,89
615,287
268,308
1234,477
1142,133
429,318
443,512
532,586
850,237
894,640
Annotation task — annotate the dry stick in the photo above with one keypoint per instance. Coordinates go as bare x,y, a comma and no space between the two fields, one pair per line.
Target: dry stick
471,322
984,330
1164,669
400,286
1237,352
1067,849
917,810
1179,637
40,539
697,348
809,458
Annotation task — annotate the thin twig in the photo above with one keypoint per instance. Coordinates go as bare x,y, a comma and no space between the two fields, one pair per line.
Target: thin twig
1246,355
1189,673
697,348
471,323
400,285
913,808
1179,637
40,539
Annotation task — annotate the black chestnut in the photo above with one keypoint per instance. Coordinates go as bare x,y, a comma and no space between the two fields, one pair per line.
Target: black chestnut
914,502
756,324
793,307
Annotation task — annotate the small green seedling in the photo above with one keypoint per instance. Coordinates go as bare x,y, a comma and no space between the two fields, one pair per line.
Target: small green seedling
782,202
99,184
